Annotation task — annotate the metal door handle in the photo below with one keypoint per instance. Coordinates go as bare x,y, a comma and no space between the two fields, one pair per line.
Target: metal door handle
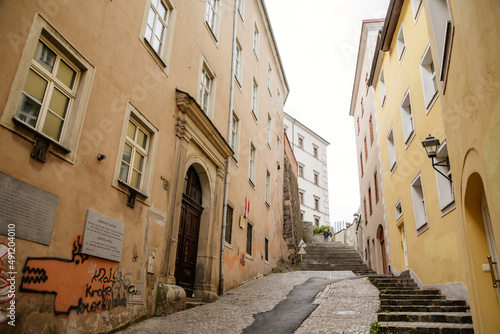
493,277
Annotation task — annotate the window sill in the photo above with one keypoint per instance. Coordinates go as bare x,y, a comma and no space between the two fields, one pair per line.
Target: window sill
132,193
409,139
251,183
42,135
422,229
156,57
212,34
248,256
448,208
431,103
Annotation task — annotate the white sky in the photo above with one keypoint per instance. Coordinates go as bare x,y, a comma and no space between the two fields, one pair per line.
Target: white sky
318,42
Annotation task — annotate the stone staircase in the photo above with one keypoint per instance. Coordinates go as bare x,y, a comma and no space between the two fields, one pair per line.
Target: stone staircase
333,256
404,308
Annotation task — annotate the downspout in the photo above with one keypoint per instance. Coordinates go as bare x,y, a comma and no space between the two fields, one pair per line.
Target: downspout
228,160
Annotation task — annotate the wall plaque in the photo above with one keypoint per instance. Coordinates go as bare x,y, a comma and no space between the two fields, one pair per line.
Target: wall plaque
30,209
103,237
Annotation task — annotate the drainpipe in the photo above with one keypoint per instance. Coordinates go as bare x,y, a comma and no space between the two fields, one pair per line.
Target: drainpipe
228,160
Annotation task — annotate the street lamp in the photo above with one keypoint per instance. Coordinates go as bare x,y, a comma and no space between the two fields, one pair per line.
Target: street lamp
431,146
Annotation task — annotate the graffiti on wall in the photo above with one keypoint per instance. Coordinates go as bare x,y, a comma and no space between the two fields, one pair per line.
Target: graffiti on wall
5,289
83,283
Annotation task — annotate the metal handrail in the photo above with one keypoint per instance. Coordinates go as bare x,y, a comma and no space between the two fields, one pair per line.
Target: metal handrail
492,271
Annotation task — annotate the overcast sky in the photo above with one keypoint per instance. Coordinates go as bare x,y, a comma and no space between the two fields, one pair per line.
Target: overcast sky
318,42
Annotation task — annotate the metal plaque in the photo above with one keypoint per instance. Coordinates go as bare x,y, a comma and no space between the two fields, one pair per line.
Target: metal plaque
103,237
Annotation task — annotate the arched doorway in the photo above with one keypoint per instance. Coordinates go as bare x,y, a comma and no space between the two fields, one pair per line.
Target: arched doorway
189,230
482,245
381,239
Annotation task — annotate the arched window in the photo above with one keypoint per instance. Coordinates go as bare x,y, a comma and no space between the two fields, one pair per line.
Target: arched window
192,185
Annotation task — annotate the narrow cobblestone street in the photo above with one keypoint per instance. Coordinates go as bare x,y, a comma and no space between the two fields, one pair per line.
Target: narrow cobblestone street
347,305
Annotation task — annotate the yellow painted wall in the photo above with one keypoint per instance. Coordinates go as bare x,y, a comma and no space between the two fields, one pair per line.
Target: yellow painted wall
471,114
433,254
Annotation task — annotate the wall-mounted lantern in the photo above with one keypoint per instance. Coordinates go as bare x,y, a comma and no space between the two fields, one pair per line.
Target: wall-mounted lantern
431,146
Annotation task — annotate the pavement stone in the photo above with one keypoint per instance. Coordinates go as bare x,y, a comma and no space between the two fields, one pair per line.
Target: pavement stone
345,306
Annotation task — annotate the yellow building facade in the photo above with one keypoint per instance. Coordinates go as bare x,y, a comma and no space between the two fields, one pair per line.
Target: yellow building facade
423,231
466,33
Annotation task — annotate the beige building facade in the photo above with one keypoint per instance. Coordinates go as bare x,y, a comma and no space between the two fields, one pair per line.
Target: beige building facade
373,217
120,153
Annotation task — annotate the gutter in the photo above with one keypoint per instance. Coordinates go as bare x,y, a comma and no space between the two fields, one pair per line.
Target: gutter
228,160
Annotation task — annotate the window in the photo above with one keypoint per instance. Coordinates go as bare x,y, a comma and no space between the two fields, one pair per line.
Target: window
249,239
301,215
235,135
407,118
315,151
357,122
364,208
137,152
316,178
370,122
370,200
398,209
362,108
48,97
239,60
444,186
401,43
442,30
49,92
375,184
301,197
278,103
301,170
366,150
229,224
255,94
417,194
278,149
316,221
241,8
301,142
428,76
316,203
416,5
206,83
269,77
256,40
268,131
391,149
361,163
212,15
268,187
252,163
266,249
158,32
382,88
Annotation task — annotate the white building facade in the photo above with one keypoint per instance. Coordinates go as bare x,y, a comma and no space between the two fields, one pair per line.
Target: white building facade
310,151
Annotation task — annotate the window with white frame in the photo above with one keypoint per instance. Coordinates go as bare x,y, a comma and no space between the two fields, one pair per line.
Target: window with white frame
428,76
416,5
398,209
256,40
252,163
269,131
278,103
239,60
315,151
419,207
49,94
442,30
269,77
316,220
382,88
158,32
268,187
206,83
401,43
278,149
241,8
266,249
444,185
301,197
235,135
49,91
212,15
301,142
391,148
255,98
301,170
316,203
407,118
316,178
137,152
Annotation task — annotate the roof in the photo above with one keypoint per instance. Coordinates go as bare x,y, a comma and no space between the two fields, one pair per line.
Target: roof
308,129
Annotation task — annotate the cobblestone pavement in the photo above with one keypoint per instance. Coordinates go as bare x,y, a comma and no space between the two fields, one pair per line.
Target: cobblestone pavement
346,306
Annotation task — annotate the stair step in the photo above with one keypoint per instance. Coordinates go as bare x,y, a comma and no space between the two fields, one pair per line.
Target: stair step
448,317
421,302
424,308
429,327
409,292
410,297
